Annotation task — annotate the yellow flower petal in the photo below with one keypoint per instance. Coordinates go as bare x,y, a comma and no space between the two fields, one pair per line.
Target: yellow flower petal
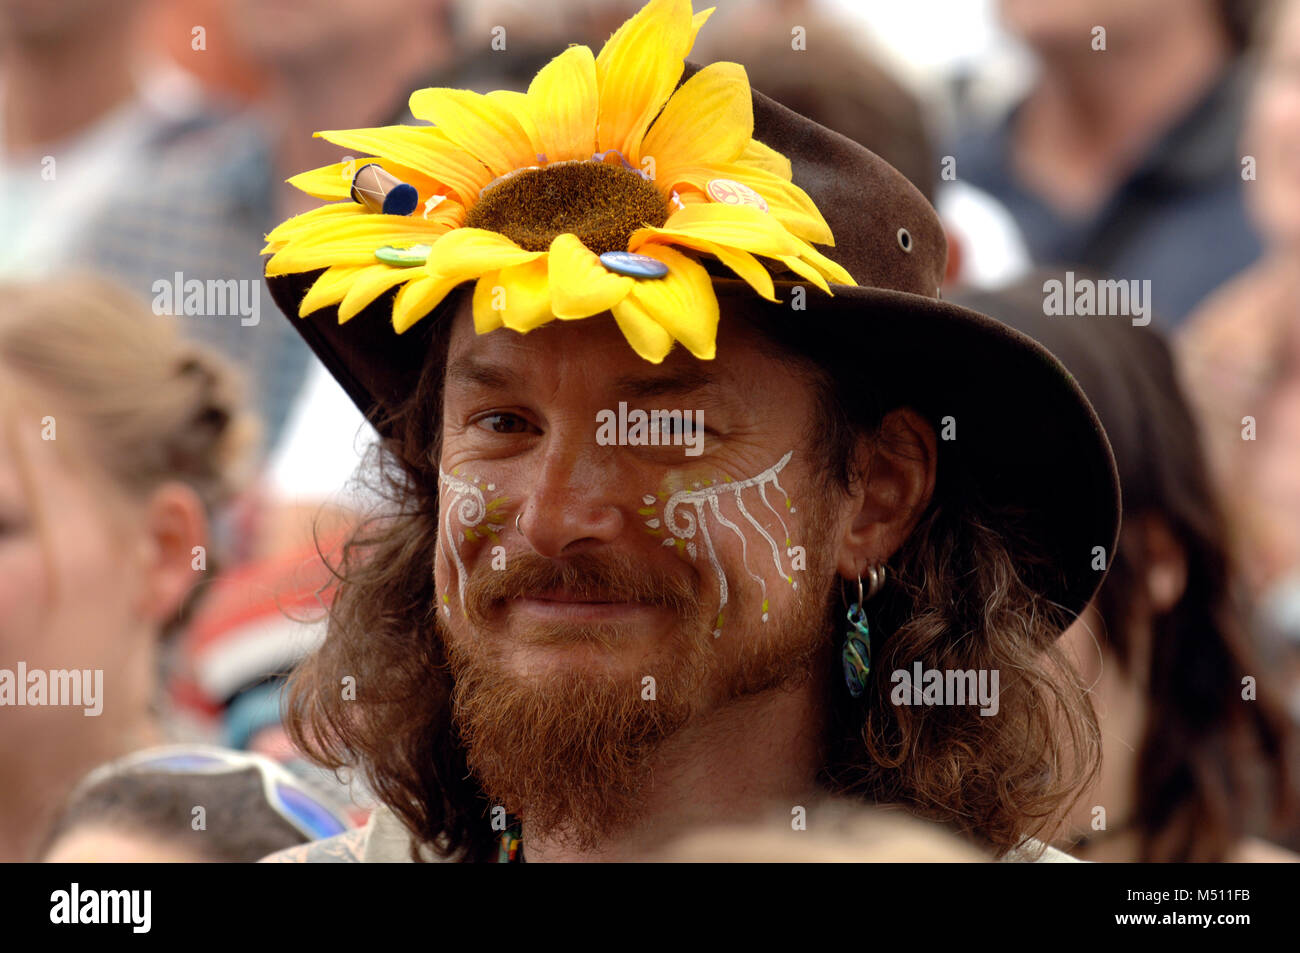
741,262
519,107
709,119
331,182
486,317
350,240
786,202
564,101
766,158
484,127
737,226
470,252
417,298
325,214
806,271
637,70
580,285
423,150
329,288
526,295
647,337
698,21
369,285
682,302
832,270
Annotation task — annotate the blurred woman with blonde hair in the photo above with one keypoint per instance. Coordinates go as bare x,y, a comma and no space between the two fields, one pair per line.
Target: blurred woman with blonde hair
118,442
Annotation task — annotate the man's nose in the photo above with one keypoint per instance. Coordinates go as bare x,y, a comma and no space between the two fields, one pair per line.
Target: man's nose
575,501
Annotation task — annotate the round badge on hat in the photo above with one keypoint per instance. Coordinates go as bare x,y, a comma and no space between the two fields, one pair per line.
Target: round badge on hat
410,257
731,192
633,265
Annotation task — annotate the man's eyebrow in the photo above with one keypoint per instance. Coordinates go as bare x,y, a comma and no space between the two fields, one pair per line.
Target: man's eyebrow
472,370
679,382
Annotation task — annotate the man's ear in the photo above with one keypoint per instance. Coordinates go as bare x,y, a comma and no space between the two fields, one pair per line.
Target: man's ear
176,539
897,472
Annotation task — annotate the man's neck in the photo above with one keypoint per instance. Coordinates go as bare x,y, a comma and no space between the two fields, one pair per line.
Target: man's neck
53,91
755,757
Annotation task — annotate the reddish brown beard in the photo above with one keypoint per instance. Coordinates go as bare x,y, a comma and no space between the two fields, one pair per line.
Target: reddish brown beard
572,751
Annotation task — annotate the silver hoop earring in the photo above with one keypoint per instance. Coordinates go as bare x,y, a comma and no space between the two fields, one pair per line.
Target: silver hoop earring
518,517
876,580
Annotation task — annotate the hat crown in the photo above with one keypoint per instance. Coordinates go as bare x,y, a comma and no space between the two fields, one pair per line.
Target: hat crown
886,234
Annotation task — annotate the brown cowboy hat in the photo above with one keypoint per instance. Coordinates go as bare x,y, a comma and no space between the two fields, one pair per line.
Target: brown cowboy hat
1022,432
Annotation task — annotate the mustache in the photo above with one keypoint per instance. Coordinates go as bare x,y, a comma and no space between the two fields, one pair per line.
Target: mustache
612,577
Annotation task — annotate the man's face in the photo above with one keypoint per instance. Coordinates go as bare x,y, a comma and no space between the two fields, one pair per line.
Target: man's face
598,593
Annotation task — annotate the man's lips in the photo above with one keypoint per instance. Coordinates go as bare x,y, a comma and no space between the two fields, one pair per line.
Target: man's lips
559,604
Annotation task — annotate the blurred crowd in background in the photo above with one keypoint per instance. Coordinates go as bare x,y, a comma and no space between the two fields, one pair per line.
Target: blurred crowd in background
178,539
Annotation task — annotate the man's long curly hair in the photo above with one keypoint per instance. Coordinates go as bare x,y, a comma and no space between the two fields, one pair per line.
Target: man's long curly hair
957,597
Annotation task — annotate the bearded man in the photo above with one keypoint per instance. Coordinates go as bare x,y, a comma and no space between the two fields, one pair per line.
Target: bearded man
822,550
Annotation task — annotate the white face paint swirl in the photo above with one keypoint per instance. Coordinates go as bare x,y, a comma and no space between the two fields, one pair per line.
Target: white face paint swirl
466,503
683,525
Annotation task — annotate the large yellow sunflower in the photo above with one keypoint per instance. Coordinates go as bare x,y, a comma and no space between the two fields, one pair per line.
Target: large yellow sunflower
525,192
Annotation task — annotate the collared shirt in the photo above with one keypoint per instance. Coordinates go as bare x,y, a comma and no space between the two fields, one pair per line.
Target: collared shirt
1178,219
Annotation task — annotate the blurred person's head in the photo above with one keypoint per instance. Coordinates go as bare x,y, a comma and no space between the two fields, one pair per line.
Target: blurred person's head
289,34
42,22
117,440
1163,644
1272,132
1064,27
839,86
185,804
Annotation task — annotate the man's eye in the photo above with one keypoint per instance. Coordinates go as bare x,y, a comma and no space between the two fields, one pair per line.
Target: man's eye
673,426
503,423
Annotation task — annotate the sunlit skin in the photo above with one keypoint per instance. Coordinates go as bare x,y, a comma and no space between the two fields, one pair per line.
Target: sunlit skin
520,412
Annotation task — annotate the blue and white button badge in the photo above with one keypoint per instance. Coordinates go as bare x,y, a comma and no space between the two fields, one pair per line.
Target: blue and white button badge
633,265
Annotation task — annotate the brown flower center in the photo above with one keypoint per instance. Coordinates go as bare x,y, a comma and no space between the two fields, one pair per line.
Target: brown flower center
601,204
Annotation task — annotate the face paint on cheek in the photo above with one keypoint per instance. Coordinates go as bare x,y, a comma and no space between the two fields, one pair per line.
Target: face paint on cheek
679,520
476,521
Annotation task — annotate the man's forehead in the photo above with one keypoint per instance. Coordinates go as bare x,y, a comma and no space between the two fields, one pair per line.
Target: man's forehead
596,349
